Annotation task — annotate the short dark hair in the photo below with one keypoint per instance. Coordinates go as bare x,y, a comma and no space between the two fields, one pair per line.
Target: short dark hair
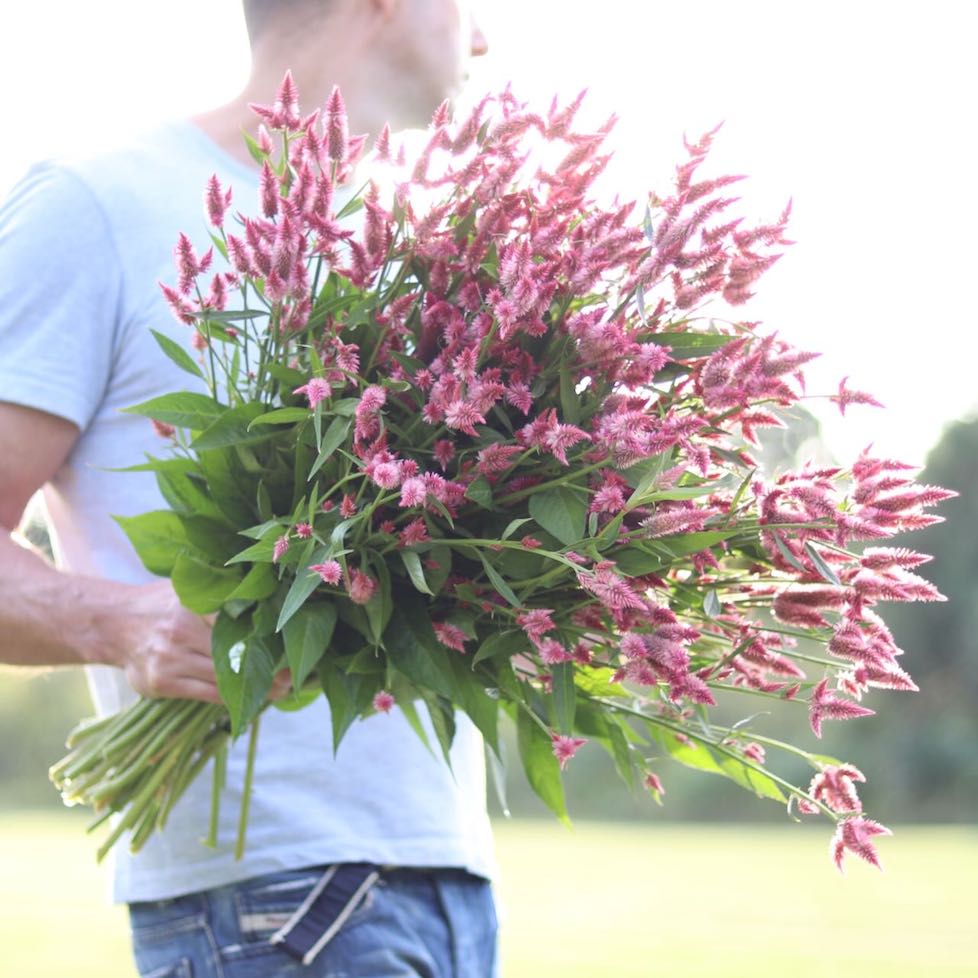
260,15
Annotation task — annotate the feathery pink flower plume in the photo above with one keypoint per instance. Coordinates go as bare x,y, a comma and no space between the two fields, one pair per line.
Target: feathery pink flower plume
854,834
316,389
330,571
825,705
564,747
383,702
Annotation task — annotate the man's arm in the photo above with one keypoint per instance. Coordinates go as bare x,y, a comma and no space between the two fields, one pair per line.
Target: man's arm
48,617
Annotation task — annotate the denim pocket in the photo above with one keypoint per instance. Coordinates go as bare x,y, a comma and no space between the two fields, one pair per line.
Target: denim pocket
264,908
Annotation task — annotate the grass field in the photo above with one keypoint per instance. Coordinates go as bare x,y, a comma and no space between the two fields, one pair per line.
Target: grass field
603,901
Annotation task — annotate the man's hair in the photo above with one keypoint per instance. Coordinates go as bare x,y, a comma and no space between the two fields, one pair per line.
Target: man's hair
264,15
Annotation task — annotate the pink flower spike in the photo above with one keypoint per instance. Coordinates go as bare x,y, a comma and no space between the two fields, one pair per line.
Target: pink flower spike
280,549
383,701
362,587
845,397
303,531
163,429
855,834
217,201
337,127
565,747
825,705
653,783
316,389
450,635
330,571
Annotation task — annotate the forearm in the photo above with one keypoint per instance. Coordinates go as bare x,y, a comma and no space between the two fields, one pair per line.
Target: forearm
48,617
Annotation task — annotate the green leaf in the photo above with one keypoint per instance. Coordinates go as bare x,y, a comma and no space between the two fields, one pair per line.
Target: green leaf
499,644
244,666
564,696
262,551
233,427
561,512
259,583
442,715
502,588
636,561
307,635
158,538
183,409
415,650
183,486
334,437
750,778
690,346
541,767
683,544
825,569
787,554
286,415
348,695
478,705
480,492
598,681
412,563
306,581
177,354
570,403
200,587
513,526
229,485
298,699
380,606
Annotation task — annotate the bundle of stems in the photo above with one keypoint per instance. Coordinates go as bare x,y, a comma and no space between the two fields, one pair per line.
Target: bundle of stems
133,766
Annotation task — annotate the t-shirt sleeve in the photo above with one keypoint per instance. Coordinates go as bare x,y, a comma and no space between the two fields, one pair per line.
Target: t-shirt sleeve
60,290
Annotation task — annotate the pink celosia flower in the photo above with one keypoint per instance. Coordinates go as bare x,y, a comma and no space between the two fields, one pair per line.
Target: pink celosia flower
280,548
163,429
415,532
337,131
444,452
413,492
450,635
217,201
855,834
362,587
754,752
845,397
316,389
348,507
303,531
653,783
833,786
565,747
536,623
825,705
383,702
330,571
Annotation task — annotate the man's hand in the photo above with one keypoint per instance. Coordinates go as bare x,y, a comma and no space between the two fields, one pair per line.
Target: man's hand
166,649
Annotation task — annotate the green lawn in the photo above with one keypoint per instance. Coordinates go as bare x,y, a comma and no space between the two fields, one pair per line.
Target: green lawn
603,901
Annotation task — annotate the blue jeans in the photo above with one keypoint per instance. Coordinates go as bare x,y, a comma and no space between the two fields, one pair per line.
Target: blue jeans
410,924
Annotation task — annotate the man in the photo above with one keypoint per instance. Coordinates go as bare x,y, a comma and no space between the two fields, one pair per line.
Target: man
83,245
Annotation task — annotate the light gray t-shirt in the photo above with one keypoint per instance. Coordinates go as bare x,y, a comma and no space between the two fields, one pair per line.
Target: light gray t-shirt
83,246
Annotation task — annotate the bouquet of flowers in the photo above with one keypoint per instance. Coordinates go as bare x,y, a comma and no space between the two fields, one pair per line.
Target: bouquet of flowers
477,447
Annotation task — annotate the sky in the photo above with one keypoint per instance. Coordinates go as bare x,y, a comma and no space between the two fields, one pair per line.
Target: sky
861,112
